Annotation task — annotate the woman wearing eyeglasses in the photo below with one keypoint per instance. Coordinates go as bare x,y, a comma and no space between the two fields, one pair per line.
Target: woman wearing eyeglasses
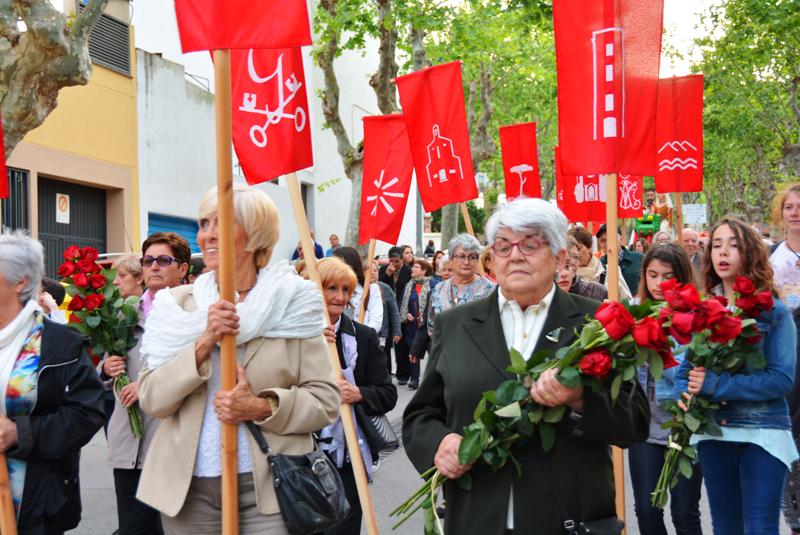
469,356
466,284
163,265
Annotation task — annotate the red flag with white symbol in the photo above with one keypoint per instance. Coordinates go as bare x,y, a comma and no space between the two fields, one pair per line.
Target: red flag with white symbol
608,54
520,160
3,170
433,107
559,180
387,178
679,134
271,133
584,196
216,24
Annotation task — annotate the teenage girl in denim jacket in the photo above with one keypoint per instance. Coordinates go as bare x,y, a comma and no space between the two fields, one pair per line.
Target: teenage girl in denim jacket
745,469
662,262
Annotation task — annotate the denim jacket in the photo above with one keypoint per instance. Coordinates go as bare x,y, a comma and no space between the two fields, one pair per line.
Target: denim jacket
755,397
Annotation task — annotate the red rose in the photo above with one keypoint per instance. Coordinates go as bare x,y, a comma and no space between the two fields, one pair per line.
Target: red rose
668,359
680,297
682,327
93,301
744,286
615,318
89,253
596,363
754,305
80,280
721,299
72,253
753,340
88,266
726,329
97,281
74,319
648,333
77,303
66,269
709,312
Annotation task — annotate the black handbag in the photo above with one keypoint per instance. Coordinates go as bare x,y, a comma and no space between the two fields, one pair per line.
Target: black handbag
376,430
308,487
604,526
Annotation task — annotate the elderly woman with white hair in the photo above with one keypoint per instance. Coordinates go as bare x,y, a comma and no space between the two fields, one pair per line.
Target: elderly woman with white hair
285,382
51,397
465,284
469,356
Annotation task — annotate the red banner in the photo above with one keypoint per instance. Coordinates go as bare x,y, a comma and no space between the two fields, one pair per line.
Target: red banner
217,24
271,133
679,134
433,106
608,55
3,170
388,167
520,160
583,197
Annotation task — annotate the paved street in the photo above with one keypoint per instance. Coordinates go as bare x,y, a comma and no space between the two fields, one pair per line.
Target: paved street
394,481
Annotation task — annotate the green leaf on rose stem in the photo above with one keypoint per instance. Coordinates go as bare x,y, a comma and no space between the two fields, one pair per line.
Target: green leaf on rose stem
547,434
490,396
690,452
93,321
712,428
505,392
537,358
535,416
589,332
525,426
465,482
656,366
518,364
536,371
628,373
562,352
553,415
118,346
509,411
685,466
521,392
471,447
108,293
129,310
616,385
118,303
701,349
569,377
692,422
479,409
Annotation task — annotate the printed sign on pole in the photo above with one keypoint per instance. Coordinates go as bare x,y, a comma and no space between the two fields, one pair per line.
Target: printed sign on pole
433,107
271,133
679,134
520,160
388,167
608,54
695,214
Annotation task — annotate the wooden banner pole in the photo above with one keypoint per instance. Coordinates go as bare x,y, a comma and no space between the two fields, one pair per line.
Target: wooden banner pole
679,217
359,471
467,220
8,519
362,308
225,278
612,256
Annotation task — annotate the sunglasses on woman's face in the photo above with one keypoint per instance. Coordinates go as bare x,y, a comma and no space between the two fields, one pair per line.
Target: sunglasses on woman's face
162,260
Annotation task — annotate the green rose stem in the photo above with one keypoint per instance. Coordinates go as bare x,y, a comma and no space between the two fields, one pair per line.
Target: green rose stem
669,473
432,480
134,416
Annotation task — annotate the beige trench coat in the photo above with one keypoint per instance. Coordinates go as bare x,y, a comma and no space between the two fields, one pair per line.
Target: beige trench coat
295,371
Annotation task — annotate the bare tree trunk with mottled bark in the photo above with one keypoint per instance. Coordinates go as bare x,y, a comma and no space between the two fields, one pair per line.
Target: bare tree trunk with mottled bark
52,52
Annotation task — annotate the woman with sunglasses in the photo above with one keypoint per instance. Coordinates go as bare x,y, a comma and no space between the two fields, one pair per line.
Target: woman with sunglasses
163,265
285,380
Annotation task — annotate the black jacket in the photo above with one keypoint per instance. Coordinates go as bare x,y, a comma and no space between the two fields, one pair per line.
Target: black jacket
468,357
398,286
372,378
67,414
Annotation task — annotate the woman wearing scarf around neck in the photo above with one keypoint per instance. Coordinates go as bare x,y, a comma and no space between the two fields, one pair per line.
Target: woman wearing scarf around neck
52,399
367,385
285,381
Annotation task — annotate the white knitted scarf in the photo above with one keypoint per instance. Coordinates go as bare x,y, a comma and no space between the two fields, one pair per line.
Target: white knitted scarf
12,338
280,305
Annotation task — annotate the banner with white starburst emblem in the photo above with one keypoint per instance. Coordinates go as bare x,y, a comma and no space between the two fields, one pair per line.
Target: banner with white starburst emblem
388,167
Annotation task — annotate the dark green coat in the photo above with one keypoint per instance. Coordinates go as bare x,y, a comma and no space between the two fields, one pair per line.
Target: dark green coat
630,263
468,357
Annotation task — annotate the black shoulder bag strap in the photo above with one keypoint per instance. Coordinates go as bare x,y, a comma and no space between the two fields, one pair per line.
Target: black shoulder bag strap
569,524
259,437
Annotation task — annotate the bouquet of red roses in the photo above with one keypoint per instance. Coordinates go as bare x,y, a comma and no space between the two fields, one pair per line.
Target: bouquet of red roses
606,354
99,312
719,336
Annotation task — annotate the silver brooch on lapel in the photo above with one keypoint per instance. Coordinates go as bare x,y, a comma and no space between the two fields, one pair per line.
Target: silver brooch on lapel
554,335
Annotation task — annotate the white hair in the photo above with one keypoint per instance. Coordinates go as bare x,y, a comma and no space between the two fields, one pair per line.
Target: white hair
659,233
466,242
530,215
22,257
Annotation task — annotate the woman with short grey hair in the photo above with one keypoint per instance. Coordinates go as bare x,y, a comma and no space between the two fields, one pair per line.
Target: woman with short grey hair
51,393
466,284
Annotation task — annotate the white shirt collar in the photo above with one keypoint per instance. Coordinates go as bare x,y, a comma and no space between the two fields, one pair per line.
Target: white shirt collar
544,304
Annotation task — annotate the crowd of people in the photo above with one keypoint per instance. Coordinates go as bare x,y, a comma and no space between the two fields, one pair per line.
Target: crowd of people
530,287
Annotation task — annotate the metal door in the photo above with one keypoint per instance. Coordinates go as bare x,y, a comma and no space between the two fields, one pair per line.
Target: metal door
86,226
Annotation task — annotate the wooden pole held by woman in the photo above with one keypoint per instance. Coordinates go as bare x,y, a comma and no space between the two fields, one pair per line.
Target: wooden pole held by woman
679,217
8,519
362,308
612,257
359,470
222,89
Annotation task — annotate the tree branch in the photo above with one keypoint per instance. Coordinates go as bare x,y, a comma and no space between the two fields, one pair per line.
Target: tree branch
418,52
86,20
382,80
793,102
